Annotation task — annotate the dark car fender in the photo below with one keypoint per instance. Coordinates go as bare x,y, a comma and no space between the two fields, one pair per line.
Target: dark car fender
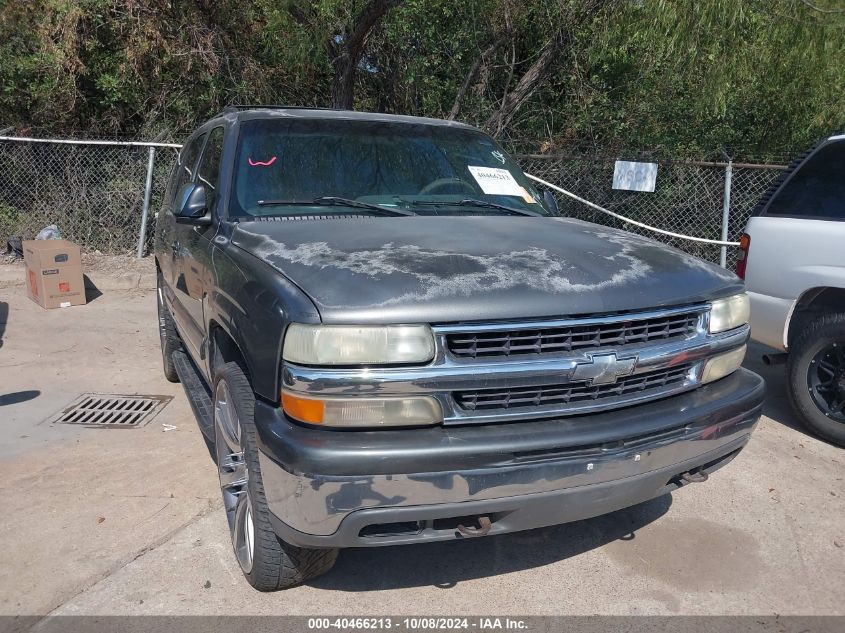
253,305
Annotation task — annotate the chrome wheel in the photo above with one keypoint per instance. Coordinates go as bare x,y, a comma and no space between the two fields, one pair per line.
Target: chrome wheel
162,324
234,476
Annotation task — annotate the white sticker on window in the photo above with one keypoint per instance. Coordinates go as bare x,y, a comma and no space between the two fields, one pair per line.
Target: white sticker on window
527,196
497,182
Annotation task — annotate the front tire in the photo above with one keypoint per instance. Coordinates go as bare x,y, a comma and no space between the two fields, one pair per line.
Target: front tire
267,562
816,369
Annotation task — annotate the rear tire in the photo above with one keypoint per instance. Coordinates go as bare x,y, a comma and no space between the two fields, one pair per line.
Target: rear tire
170,341
267,562
816,369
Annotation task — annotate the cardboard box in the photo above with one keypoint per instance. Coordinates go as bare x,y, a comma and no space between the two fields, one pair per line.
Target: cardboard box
54,273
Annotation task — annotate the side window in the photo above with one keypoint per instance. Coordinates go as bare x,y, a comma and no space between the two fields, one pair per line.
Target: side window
187,162
209,169
817,189
170,191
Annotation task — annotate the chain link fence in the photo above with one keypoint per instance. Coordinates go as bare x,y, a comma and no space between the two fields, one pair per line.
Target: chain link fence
689,198
94,191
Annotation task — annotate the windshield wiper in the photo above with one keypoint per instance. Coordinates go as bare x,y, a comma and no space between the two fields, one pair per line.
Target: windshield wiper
327,201
468,202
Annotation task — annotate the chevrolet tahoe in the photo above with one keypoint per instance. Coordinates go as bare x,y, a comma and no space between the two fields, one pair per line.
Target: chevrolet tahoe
389,336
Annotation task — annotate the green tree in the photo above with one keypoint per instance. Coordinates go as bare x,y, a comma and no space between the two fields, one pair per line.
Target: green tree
703,78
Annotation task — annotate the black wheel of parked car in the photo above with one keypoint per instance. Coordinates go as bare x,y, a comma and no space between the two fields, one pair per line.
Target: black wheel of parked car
170,341
817,377
267,562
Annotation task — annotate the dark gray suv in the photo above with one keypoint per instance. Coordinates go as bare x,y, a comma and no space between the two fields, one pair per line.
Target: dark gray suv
389,336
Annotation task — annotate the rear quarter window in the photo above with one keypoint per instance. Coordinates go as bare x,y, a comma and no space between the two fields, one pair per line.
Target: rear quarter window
817,189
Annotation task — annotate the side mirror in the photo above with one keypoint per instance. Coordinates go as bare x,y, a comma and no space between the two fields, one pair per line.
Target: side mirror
193,205
551,203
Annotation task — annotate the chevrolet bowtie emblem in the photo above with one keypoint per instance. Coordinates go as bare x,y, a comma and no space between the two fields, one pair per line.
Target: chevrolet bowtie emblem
603,369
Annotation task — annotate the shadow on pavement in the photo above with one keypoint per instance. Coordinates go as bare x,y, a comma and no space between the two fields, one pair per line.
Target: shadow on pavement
777,405
446,564
18,396
91,291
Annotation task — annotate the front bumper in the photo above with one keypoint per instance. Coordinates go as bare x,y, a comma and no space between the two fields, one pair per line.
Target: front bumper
366,488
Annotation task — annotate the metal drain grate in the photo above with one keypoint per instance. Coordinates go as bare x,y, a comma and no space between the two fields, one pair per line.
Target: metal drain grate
110,410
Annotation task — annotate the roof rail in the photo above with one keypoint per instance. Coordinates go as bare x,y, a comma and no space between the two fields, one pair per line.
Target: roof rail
239,108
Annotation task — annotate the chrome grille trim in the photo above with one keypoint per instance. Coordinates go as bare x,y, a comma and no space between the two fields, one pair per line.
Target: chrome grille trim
647,383
504,326
570,335
607,403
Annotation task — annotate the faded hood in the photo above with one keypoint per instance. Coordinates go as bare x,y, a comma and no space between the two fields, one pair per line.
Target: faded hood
435,269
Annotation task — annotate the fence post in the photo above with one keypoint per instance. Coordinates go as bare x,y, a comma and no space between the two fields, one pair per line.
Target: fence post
726,213
148,187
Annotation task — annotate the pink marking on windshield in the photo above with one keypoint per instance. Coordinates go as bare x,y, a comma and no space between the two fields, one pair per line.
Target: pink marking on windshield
256,163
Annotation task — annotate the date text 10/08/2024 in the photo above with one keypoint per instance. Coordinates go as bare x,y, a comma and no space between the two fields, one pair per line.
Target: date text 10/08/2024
418,623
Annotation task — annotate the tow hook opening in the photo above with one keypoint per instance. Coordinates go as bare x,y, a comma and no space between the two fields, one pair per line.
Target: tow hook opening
701,474
470,526
482,527
695,477
391,529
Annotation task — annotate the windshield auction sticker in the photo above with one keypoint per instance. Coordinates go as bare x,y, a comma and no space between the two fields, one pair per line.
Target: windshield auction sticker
495,181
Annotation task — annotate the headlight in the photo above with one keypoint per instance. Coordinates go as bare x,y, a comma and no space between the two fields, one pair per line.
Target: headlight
363,412
726,314
722,365
358,345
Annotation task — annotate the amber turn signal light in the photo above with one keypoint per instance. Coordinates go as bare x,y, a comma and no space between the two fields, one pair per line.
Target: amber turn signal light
359,412
303,409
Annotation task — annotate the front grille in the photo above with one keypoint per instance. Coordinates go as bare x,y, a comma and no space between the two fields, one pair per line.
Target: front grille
570,393
568,338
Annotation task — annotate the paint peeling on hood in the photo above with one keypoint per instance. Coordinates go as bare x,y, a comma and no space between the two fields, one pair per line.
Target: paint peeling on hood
458,268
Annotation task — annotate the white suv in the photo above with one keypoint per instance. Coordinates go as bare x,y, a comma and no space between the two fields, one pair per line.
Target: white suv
793,263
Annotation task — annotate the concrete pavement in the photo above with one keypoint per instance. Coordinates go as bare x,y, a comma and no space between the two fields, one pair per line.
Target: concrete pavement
765,535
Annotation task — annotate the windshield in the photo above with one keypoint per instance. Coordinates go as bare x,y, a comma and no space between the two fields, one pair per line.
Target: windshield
295,167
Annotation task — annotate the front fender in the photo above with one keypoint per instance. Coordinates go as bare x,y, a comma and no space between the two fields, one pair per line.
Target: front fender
254,304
